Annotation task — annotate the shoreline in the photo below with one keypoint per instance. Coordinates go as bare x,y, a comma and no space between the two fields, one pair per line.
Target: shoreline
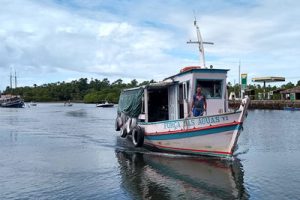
233,104
266,104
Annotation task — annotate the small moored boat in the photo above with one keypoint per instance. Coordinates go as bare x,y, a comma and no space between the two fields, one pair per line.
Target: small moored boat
68,103
158,115
11,101
33,103
105,105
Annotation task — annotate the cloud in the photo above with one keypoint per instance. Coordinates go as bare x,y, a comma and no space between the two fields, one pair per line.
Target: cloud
55,40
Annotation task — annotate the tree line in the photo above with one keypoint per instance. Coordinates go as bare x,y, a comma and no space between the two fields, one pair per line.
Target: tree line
82,90
96,91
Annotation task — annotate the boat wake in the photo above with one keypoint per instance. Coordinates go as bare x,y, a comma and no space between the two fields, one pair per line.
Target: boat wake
241,152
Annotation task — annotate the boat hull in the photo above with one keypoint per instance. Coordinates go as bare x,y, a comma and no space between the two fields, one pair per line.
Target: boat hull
212,142
12,105
105,106
214,135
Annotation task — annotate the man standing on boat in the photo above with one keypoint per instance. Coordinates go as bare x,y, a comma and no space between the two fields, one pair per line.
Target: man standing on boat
199,105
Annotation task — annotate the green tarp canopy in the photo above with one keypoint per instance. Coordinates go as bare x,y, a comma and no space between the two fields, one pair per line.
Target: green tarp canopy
130,102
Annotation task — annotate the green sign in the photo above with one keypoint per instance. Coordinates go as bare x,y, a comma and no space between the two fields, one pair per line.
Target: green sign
244,81
292,96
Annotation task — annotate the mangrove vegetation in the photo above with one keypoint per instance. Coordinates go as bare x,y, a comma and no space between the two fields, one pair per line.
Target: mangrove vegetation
95,91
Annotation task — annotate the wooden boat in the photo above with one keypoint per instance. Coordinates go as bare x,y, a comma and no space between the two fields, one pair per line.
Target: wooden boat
11,101
105,105
158,115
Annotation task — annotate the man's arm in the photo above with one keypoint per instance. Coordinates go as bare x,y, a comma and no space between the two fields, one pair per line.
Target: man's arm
192,105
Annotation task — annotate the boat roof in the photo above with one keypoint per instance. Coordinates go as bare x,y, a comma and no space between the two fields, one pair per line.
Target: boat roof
158,85
199,70
168,81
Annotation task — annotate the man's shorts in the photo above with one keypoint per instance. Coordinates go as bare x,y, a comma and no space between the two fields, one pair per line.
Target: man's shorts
197,112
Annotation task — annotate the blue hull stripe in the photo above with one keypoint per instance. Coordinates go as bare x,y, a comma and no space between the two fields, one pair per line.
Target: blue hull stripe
192,134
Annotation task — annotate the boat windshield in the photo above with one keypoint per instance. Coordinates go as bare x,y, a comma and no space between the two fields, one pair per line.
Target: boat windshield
210,88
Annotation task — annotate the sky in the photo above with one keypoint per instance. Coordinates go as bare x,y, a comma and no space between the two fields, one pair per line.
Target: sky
47,41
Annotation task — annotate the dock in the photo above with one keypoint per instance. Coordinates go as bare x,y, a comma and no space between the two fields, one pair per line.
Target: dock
266,104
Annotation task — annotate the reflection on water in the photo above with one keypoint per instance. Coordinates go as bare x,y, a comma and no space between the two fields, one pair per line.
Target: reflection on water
162,176
77,113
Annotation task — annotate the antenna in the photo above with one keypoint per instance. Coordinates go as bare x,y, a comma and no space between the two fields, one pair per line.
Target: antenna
199,42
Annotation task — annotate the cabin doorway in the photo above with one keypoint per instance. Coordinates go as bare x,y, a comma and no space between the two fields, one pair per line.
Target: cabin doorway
158,105
183,99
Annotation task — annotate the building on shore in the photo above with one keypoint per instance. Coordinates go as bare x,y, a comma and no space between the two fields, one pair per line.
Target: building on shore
291,94
264,80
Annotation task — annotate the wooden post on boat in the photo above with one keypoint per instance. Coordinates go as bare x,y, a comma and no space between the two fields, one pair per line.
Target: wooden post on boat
146,104
185,100
200,43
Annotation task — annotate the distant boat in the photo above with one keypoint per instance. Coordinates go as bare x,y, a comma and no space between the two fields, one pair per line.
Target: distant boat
68,103
105,105
33,104
11,101
291,109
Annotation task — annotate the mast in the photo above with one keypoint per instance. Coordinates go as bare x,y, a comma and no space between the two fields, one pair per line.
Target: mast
15,79
200,43
10,79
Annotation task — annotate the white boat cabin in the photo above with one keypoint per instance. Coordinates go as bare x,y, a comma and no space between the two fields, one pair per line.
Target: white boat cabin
171,99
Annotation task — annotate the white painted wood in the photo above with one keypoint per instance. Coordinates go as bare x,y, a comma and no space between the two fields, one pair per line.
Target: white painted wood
173,102
185,100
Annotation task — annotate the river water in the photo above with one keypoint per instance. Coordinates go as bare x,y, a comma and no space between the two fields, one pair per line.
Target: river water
56,152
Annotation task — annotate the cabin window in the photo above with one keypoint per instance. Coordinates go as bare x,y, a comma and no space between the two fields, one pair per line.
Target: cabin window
210,88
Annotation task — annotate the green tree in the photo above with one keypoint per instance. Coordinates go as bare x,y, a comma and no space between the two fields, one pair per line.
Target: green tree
134,83
289,85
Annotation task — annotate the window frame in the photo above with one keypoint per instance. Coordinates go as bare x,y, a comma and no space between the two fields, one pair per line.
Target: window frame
210,79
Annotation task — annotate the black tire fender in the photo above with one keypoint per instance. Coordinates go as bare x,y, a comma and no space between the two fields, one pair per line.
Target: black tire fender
117,127
138,136
123,132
